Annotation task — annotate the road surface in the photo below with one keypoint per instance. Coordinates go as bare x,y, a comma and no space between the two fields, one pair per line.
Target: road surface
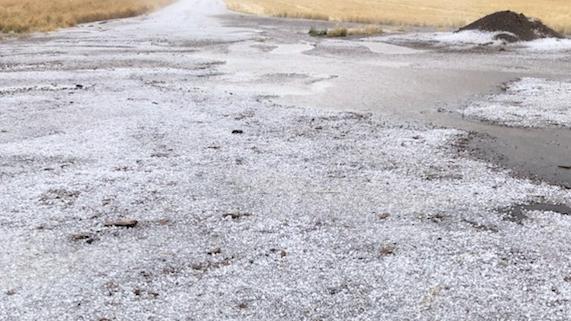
196,164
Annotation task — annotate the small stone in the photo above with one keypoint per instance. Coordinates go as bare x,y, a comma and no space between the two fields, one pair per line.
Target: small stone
199,266
437,218
567,278
11,292
236,215
160,155
88,238
387,250
145,293
383,216
125,223
146,275
79,237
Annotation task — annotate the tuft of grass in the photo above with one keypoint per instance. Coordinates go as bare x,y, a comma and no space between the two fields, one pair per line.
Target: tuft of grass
368,30
338,32
344,32
314,32
435,13
20,16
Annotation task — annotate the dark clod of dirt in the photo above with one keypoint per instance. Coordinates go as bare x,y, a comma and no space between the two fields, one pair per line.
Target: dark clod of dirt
145,293
383,216
236,215
237,132
125,223
85,237
214,251
164,221
517,27
387,250
482,227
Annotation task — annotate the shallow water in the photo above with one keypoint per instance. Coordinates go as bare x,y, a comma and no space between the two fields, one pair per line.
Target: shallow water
414,83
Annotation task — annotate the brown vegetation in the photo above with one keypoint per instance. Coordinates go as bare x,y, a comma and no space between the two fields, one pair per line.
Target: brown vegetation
439,13
367,30
44,15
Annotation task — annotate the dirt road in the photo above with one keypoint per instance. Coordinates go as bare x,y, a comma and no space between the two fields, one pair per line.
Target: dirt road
200,165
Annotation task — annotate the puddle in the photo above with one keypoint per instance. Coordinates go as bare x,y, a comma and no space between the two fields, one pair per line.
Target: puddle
541,154
518,213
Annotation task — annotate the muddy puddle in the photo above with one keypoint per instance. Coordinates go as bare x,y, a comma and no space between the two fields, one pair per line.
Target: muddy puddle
519,213
535,153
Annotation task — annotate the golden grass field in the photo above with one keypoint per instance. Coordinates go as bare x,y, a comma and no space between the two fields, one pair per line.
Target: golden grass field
439,13
45,15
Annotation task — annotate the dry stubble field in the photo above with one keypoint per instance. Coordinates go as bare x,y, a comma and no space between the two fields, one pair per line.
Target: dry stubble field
440,13
45,15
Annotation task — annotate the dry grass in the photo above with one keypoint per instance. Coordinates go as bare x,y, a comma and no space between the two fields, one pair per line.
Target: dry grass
44,15
439,13
344,32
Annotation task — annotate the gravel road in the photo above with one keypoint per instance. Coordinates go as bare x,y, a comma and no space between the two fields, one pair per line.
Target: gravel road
185,166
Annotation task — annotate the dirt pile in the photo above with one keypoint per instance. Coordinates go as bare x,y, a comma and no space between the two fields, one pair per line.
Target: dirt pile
517,27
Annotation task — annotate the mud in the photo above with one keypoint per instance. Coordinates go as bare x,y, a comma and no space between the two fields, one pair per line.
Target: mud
539,154
518,27
519,213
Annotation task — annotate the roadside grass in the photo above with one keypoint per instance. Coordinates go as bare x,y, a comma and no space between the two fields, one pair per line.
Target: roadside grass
435,13
21,16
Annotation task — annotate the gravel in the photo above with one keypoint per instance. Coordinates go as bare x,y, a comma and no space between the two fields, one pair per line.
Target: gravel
528,102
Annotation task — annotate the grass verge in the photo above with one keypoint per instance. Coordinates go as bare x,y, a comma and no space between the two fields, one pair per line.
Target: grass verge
21,16
437,13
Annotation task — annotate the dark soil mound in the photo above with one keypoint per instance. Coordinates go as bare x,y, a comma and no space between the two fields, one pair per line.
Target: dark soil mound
518,27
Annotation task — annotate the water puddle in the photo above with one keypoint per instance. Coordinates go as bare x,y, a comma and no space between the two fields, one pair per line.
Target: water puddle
518,213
